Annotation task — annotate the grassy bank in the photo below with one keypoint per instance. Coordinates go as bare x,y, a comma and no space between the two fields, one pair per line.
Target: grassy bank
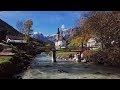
64,54
4,59
9,66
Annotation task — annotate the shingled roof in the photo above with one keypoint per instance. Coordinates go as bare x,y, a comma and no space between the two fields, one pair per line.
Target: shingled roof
13,37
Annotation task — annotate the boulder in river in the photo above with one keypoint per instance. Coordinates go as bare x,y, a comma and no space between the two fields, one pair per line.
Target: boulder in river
62,71
84,60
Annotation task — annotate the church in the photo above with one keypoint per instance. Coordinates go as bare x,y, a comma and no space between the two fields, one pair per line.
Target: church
60,40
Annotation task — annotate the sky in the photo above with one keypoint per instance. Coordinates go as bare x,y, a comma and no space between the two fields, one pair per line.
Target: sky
45,22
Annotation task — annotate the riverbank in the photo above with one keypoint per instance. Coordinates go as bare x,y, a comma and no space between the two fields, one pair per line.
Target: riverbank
69,56
18,61
10,66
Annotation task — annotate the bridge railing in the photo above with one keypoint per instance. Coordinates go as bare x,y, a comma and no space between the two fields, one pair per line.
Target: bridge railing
77,48
46,48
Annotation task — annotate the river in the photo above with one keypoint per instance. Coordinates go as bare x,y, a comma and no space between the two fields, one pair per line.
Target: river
42,68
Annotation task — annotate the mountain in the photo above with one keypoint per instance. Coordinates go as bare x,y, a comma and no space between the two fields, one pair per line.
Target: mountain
65,32
39,36
51,37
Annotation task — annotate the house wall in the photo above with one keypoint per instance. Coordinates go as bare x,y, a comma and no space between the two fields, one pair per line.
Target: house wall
16,41
93,44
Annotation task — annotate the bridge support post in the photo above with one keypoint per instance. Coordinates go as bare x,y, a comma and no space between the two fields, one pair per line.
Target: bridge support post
53,56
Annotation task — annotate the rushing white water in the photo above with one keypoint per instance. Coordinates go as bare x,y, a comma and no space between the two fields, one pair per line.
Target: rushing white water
43,68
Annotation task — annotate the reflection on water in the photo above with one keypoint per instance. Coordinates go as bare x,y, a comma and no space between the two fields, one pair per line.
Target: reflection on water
43,68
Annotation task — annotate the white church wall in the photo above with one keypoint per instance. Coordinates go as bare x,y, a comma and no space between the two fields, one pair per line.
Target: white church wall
61,44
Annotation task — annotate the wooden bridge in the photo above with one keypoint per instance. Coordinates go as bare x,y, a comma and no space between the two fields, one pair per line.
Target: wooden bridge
53,50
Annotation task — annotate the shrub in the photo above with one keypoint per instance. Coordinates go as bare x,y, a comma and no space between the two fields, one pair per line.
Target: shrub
113,56
88,54
1,48
99,57
14,49
109,56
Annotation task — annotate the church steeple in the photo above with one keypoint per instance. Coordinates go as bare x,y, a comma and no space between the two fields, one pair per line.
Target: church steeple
60,42
58,35
58,31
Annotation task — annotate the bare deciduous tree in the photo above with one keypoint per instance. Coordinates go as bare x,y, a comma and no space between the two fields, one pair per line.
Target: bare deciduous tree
20,26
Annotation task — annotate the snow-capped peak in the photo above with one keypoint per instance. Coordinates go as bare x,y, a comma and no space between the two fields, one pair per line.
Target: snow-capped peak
50,35
65,29
37,33
63,26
